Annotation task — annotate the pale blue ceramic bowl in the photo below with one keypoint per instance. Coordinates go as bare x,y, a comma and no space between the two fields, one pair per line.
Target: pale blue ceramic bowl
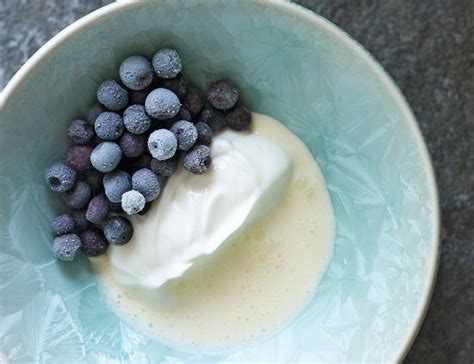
289,64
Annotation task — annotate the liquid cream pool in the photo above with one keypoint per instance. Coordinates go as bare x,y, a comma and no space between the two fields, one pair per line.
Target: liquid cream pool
230,256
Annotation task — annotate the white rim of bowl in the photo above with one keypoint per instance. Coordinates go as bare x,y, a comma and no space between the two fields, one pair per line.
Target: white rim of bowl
320,23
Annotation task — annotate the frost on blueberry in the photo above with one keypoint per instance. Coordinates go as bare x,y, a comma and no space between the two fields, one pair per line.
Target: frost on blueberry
167,63
147,183
113,96
116,183
60,177
162,104
162,144
136,120
133,202
66,246
106,156
136,73
186,134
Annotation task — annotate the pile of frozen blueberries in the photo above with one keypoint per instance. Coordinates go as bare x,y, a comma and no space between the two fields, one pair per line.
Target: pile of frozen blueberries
135,137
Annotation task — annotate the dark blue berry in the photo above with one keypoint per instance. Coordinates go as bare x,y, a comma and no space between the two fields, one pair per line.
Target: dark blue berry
239,118
193,101
93,112
132,145
146,182
94,242
116,183
118,230
162,104
165,168
79,196
162,144
109,126
167,63
80,221
133,202
94,179
136,73
186,134
80,132
204,132
106,156
60,177
179,85
113,96
98,209
223,95
184,114
79,157
198,159
66,246
63,224
136,120
212,117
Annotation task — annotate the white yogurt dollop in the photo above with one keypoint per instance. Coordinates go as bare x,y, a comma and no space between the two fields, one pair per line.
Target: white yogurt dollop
196,214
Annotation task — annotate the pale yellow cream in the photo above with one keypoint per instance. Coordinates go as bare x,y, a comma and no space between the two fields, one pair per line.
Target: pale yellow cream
255,282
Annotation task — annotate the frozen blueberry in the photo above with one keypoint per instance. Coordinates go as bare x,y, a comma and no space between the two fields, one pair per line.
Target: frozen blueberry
179,85
198,159
94,179
80,132
80,221
212,117
66,246
79,196
147,183
186,134
133,202
162,104
118,230
60,177
116,207
106,156
193,101
165,168
63,224
145,209
132,145
109,126
223,95
98,209
116,183
184,114
167,63
94,242
79,157
204,132
113,96
239,118
93,112
162,144
136,73
136,120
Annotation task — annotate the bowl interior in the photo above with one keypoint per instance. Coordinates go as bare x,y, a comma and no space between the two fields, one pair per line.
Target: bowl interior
294,67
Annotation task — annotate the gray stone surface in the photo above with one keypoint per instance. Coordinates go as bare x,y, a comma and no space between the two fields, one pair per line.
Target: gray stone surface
428,48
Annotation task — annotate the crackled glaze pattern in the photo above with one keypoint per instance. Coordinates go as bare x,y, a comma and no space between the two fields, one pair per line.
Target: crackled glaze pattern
288,68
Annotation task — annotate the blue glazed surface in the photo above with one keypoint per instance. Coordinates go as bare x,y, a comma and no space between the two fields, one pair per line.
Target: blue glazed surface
288,67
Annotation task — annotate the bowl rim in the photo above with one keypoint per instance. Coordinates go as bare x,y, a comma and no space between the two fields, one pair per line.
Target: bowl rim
320,23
